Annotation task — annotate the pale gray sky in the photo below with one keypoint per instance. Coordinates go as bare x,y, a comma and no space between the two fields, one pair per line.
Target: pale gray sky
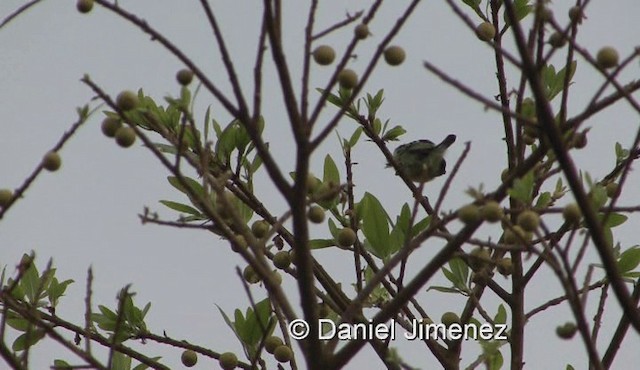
86,214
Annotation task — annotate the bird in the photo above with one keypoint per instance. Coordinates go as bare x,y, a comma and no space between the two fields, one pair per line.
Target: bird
421,161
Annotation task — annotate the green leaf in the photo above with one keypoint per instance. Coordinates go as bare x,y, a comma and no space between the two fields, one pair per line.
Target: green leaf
544,200
521,10
321,243
331,174
355,137
614,219
121,361
629,259
57,289
556,84
522,189
28,339
181,207
598,196
375,226
444,289
30,282
501,315
192,184
394,133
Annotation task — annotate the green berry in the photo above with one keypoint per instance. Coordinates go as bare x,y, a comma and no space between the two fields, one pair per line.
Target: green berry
282,260
478,258
612,189
250,276
51,161
228,360
572,213
84,6
557,40
316,214
528,220
394,55
469,214
348,79
189,358
260,229
324,55
6,196
362,31
283,354
575,14
566,331
607,57
277,278
110,126
449,318
127,100
271,343
516,235
241,244
485,31
125,136
184,76
505,266
491,211
312,183
346,237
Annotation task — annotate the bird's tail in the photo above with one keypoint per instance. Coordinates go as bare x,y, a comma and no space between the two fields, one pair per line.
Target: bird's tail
450,139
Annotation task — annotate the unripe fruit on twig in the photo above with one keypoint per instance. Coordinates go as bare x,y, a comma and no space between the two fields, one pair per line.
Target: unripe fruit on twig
277,278
478,258
557,40
612,189
516,235
84,6
189,358
528,220
312,183
228,360
566,331
346,237
127,100
125,136
51,161
316,214
241,244
394,55
362,31
110,125
572,213
250,276
260,229
491,211
469,214
348,79
324,55
184,77
449,318
6,196
505,266
575,14
485,31
271,343
283,354
607,57
282,260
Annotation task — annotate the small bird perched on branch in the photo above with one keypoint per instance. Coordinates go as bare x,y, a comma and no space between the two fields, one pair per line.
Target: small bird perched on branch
421,160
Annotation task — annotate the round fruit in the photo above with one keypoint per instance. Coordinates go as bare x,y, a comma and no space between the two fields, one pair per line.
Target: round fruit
478,258
505,266
127,100
362,31
612,189
51,161
6,196
485,31
572,213
449,318
110,125
346,237
277,278
394,55
228,360
189,358
184,77
528,220
491,211
241,244
557,40
260,229
282,260
324,55
84,6
607,57
283,353
271,343
480,277
529,140
516,235
316,214
575,14
566,331
426,321
348,79
125,136
469,214
312,183
250,275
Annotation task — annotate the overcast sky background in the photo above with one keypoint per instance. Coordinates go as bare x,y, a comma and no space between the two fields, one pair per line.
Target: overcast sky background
86,213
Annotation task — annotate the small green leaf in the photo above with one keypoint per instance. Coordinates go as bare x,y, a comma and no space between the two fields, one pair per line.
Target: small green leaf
394,133
501,315
355,137
629,259
28,339
614,219
331,174
375,226
181,207
521,10
321,243
522,189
